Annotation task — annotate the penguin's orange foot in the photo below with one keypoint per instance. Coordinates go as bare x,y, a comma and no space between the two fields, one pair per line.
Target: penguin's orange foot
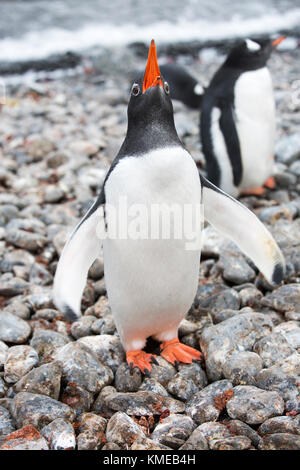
174,351
140,359
254,192
270,183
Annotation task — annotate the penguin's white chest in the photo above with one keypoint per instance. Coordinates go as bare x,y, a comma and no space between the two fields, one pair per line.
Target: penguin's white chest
255,121
151,278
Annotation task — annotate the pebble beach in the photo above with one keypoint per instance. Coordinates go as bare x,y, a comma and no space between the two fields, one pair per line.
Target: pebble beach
66,385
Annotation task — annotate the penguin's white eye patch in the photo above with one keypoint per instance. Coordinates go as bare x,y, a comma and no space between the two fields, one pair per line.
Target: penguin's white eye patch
166,88
252,45
135,90
198,89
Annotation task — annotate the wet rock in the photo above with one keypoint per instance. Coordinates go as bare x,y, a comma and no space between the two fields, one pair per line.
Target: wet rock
44,380
235,268
108,349
19,309
224,315
6,422
19,361
213,431
280,441
83,327
152,385
275,379
227,299
39,275
253,405
122,430
291,332
96,271
281,424
12,287
287,148
104,326
40,148
60,435
13,329
242,367
189,380
3,352
127,382
250,296
2,388
81,367
272,214
272,348
207,404
147,444
196,441
27,240
238,428
27,438
231,443
285,298
218,342
53,194
47,342
143,403
38,410
173,431
163,371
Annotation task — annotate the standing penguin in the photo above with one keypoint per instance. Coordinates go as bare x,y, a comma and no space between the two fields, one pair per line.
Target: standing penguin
152,281
237,123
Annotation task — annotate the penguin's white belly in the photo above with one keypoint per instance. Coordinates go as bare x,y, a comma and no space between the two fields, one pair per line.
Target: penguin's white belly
255,122
151,283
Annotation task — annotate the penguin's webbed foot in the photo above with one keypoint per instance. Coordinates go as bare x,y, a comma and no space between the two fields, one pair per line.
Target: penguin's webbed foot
173,351
254,192
141,360
270,183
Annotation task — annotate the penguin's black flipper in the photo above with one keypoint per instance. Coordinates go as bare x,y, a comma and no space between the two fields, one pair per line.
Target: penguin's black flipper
183,87
82,248
242,226
228,128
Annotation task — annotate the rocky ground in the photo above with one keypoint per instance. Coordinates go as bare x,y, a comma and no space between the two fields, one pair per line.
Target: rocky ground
67,386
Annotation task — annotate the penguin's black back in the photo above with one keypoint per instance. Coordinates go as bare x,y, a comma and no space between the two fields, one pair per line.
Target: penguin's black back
182,85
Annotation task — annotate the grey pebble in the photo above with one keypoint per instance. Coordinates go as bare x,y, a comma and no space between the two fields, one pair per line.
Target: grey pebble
242,367
189,380
38,410
82,367
173,431
19,361
6,422
253,405
44,380
59,434
125,381
123,430
13,329
47,342
196,441
280,441
107,348
281,424
231,443
272,348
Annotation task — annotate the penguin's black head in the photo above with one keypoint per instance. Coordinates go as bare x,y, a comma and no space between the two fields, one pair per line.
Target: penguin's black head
251,54
150,102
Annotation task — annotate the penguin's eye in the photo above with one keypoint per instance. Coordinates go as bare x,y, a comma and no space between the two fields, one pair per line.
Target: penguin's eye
166,88
135,90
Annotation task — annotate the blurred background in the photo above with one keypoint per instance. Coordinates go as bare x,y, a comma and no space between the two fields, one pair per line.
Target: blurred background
33,30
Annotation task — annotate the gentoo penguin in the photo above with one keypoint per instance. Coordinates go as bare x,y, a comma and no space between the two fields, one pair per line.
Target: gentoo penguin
237,122
151,278
183,87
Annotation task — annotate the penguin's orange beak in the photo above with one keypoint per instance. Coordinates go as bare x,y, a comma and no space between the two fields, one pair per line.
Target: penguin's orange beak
278,41
152,73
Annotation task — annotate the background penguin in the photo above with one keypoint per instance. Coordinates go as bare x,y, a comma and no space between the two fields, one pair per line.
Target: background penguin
183,87
237,123
151,283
